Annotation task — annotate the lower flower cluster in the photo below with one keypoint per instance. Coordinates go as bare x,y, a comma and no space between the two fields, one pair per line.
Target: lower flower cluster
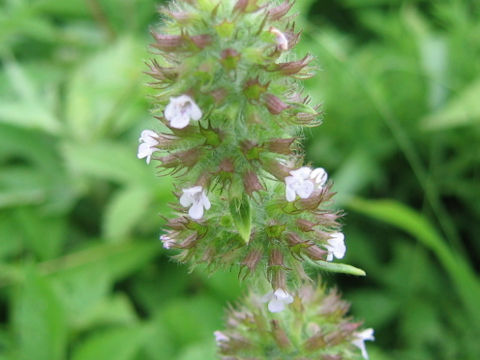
313,326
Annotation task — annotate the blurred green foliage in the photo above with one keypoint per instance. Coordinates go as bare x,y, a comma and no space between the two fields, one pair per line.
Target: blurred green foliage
81,275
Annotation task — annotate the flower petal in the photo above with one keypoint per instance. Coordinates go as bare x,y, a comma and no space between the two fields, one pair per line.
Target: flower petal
205,201
144,150
196,211
180,121
267,297
337,244
186,199
283,296
320,176
148,136
195,112
301,173
275,306
305,189
290,194
171,109
220,337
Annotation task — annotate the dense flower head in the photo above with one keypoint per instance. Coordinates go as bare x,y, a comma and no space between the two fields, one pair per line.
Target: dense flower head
313,326
282,235
148,142
228,97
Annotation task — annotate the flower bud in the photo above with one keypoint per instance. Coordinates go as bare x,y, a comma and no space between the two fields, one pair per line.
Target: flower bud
251,183
274,105
252,259
226,166
315,253
280,335
166,42
293,67
166,74
278,279
318,197
280,146
182,17
201,41
315,342
277,169
189,242
181,159
178,224
279,11
305,225
294,240
276,258
246,6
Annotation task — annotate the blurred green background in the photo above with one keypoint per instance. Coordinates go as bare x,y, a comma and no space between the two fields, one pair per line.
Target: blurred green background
82,274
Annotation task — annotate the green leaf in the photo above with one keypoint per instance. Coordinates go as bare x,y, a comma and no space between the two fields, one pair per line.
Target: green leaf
117,259
102,92
336,267
462,110
116,309
200,351
29,107
200,317
10,236
108,160
53,230
378,308
82,288
112,344
39,321
414,223
242,216
124,211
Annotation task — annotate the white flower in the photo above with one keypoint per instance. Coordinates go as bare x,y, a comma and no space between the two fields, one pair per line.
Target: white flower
303,182
181,110
196,199
360,339
220,337
167,242
280,38
319,177
148,141
277,300
336,246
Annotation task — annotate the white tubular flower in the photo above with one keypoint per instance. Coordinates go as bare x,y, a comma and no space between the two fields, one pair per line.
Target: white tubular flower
148,141
195,198
319,177
277,300
303,182
181,110
336,246
220,337
280,38
299,183
167,242
360,339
